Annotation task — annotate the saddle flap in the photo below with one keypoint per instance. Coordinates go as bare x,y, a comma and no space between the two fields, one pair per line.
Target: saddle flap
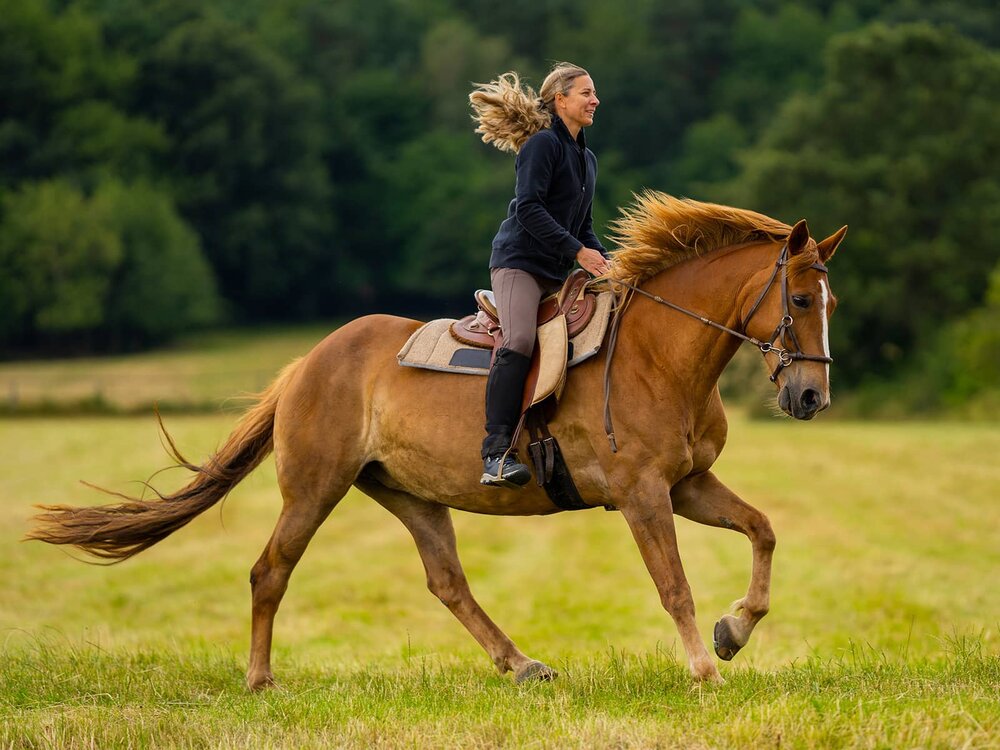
553,355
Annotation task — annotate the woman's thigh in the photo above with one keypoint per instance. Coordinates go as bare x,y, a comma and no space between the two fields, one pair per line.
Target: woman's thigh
517,295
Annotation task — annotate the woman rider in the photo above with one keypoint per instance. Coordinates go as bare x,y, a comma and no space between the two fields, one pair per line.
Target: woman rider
548,228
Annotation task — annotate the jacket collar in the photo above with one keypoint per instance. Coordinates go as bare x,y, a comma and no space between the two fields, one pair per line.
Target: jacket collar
560,127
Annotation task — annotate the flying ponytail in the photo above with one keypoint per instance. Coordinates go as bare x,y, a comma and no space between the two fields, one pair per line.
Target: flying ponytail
508,113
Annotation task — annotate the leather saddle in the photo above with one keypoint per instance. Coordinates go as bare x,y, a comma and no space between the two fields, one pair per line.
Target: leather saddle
482,329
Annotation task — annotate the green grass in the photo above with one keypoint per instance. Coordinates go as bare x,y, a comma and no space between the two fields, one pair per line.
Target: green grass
200,372
884,629
65,697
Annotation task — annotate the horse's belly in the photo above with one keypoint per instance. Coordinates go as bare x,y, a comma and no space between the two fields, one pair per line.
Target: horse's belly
461,491
426,431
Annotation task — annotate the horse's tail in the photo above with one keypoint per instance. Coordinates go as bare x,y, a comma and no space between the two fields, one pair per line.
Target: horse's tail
116,532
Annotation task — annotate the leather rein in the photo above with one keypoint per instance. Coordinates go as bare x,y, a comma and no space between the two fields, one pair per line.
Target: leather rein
782,333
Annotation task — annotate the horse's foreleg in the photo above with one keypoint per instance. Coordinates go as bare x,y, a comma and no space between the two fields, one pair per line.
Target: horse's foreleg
298,522
652,526
432,530
704,499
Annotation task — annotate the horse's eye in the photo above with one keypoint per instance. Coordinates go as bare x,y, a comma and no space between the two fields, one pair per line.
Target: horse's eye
801,300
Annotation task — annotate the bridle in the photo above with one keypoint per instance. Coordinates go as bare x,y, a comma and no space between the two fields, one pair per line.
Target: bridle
782,333
785,355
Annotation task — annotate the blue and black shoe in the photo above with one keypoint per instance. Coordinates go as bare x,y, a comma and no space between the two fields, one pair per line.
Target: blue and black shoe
502,470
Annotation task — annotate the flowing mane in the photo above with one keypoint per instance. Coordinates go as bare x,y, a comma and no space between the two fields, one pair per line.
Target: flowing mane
659,231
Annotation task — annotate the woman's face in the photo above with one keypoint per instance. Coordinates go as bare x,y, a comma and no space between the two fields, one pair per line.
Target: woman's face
576,107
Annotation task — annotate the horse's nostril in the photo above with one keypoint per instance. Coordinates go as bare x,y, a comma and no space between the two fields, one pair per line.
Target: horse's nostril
810,398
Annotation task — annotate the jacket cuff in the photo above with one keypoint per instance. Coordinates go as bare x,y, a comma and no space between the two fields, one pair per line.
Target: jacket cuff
569,246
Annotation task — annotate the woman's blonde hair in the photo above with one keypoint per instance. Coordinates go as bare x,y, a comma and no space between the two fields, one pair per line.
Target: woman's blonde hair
508,112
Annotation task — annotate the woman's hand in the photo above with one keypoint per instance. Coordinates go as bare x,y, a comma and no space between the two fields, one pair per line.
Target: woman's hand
592,261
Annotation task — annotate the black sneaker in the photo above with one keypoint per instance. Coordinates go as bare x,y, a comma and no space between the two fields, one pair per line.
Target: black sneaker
501,471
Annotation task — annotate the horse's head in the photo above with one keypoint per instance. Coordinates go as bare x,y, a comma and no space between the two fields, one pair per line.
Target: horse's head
790,316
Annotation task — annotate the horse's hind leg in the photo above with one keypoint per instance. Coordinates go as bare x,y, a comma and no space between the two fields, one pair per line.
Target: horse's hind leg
704,499
432,530
301,515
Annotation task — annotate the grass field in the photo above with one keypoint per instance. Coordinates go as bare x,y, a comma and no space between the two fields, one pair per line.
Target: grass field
884,629
201,372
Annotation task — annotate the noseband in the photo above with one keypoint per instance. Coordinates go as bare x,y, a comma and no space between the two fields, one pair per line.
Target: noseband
782,333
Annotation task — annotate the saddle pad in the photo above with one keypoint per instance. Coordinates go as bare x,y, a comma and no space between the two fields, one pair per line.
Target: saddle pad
432,347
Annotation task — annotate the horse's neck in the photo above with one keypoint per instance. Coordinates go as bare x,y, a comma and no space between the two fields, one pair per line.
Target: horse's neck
717,286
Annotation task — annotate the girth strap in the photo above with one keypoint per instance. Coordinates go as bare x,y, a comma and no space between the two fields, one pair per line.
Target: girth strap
551,471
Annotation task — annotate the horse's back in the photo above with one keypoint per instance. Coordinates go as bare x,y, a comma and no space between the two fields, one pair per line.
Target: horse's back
353,376
366,337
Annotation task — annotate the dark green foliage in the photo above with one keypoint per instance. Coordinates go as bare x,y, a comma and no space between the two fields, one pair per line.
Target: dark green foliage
120,268
57,258
59,97
444,240
163,285
652,63
778,53
960,370
246,165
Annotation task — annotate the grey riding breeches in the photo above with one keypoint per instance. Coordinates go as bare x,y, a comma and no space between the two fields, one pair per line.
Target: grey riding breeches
517,295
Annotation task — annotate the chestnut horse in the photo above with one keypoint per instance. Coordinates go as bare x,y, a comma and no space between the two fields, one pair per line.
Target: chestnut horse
347,414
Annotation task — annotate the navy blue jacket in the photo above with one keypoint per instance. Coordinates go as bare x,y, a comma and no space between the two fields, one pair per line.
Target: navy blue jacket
550,217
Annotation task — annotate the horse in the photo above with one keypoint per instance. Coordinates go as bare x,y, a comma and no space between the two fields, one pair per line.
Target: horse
694,280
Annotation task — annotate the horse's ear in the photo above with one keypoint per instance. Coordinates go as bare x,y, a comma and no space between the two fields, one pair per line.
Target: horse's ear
828,246
798,237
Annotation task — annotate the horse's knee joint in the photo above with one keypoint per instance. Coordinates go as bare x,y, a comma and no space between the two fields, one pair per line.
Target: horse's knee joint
447,592
447,598
767,540
257,572
763,536
677,601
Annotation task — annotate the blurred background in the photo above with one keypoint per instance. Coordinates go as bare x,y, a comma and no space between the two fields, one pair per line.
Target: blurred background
193,192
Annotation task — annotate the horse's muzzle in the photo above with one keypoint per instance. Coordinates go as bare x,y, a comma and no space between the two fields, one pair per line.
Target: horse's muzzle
801,403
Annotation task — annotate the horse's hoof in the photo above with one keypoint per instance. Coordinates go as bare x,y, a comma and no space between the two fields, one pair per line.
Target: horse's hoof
724,641
257,683
710,678
535,671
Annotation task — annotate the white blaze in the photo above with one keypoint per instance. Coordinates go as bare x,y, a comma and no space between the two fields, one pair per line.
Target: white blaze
826,331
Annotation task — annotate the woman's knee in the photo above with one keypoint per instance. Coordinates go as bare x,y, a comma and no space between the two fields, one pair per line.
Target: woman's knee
520,341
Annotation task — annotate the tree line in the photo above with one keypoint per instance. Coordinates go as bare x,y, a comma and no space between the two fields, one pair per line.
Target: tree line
170,164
